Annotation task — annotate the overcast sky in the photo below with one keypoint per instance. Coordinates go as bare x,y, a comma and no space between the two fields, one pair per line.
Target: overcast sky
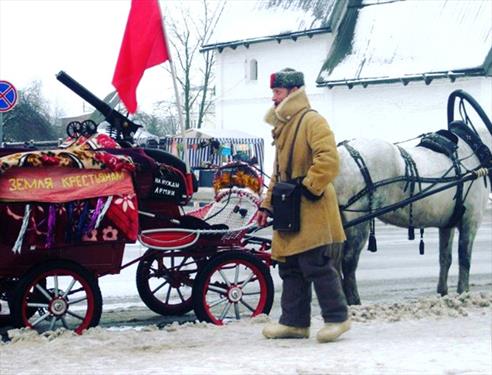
82,37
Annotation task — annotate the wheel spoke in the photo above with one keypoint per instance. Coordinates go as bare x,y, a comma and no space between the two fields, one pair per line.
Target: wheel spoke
75,315
247,280
55,279
70,286
64,322
159,287
81,289
180,294
39,305
224,277
168,295
217,289
225,311
251,293
52,324
236,310
218,302
73,302
40,319
236,276
247,305
44,292
182,263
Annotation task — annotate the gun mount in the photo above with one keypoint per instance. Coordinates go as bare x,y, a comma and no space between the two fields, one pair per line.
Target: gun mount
120,124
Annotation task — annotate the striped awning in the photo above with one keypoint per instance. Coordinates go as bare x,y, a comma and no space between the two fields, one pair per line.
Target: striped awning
214,151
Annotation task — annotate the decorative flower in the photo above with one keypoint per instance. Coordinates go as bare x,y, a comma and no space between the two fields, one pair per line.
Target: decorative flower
60,208
49,159
86,157
110,234
81,140
106,141
34,160
91,236
78,206
113,162
65,161
126,202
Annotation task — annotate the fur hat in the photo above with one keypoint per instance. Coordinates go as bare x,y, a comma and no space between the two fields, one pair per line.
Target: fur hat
286,78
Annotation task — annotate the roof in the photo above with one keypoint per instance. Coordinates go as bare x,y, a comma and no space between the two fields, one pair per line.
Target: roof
401,41
245,22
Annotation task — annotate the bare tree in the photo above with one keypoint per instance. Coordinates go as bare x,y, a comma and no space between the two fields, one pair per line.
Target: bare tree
194,70
30,118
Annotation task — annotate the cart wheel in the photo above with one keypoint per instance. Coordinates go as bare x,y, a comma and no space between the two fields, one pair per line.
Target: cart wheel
231,286
6,287
165,280
63,294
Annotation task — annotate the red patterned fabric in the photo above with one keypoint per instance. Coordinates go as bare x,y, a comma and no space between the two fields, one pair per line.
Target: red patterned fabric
123,212
72,223
61,222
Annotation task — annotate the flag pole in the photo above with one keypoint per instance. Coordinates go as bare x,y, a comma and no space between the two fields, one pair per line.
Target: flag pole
176,94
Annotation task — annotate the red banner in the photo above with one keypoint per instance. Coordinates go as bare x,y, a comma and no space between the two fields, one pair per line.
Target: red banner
52,185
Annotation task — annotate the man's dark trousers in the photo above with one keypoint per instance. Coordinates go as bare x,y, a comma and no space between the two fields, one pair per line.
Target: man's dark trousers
298,273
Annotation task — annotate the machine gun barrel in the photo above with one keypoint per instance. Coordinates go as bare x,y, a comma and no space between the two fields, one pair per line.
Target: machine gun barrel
121,123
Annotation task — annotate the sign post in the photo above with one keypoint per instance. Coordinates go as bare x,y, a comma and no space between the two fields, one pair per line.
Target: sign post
8,100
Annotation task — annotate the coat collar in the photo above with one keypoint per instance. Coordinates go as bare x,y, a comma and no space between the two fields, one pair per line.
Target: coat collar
281,115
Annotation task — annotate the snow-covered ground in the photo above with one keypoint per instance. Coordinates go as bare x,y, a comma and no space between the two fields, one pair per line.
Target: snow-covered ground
401,328
433,335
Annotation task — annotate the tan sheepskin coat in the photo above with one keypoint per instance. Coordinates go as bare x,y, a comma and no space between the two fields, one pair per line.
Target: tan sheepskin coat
315,156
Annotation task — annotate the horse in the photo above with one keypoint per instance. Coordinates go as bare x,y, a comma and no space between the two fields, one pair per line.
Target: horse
365,165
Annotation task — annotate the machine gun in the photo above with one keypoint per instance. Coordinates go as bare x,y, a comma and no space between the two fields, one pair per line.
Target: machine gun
125,128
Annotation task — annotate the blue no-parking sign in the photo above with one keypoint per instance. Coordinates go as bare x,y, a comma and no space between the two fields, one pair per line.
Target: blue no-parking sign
8,96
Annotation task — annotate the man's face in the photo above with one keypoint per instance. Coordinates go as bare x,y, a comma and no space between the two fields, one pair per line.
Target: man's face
280,93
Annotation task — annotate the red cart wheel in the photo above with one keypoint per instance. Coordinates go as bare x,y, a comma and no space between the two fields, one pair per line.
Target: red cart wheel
231,286
63,294
165,280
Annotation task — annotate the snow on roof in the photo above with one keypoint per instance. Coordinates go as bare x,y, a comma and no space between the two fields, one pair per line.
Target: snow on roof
408,39
250,21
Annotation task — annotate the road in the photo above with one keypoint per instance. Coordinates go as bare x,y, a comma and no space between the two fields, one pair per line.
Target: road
395,273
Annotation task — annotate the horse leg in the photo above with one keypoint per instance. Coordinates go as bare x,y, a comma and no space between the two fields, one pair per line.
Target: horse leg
445,258
356,238
467,235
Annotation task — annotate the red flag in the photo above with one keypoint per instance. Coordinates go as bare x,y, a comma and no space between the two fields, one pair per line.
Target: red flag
143,46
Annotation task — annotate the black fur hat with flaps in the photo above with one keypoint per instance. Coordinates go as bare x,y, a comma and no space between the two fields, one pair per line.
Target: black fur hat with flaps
287,78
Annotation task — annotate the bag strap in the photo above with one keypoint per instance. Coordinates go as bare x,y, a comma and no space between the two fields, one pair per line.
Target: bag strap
289,164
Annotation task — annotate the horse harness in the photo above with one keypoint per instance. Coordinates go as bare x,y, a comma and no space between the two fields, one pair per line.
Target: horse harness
369,190
442,141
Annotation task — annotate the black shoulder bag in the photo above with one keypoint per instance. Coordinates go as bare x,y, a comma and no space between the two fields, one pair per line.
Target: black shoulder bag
286,195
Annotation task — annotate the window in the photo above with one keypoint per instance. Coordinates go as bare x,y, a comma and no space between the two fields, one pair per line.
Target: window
253,70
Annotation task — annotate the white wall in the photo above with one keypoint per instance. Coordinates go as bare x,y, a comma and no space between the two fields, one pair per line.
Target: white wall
242,104
393,112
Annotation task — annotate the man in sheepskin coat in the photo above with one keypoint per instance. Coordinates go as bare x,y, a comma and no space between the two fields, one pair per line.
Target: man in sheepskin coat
306,257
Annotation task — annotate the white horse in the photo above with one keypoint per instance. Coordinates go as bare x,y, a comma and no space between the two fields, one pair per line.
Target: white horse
384,161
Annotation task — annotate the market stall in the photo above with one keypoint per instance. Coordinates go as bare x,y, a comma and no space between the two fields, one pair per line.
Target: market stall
210,148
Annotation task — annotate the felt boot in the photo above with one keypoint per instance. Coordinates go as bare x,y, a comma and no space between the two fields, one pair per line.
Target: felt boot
331,331
281,331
